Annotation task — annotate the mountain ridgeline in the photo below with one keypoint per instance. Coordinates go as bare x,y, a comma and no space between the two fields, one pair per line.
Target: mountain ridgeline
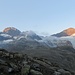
67,32
11,37
11,31
58,49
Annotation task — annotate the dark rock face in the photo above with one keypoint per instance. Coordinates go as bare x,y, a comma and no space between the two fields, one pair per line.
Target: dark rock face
22,64
11,31
33,72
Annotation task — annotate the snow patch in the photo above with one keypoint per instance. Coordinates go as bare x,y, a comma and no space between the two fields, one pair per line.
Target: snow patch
5,35
7,41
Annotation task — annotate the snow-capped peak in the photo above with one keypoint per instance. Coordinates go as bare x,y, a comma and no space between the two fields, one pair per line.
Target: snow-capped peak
31,33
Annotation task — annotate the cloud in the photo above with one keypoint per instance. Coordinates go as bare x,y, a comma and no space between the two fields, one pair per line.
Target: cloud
44,33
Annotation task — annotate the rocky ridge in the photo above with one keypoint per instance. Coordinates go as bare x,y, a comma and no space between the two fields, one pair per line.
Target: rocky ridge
21,64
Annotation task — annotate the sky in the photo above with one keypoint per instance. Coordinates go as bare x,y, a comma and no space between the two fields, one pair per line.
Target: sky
42,16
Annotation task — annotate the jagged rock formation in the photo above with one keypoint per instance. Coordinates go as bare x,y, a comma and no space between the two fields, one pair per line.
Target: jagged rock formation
22,64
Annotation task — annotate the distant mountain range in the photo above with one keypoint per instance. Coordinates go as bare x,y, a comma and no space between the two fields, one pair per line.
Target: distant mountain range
15,32
11,37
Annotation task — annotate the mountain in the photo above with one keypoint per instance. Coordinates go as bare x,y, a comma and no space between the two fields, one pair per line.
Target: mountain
67,32
53,41
12,31
60,51
12,38
31,35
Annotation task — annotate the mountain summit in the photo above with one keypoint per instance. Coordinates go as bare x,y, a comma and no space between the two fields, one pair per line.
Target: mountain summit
12,31
31,35
70,31
67,32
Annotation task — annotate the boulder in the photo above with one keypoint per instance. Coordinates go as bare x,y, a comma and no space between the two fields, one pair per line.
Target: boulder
35,66
57,73
25,70
2,62
13,66
33,72
63,72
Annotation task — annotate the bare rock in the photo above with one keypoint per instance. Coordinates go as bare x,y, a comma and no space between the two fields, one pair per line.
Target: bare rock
33,72
25,70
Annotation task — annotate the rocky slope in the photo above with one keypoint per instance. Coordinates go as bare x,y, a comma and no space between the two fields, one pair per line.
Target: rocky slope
22,64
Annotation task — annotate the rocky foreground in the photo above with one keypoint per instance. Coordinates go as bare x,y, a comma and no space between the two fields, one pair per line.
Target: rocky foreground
21,64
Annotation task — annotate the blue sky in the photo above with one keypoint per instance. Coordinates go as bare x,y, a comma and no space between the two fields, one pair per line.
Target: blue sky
42,16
